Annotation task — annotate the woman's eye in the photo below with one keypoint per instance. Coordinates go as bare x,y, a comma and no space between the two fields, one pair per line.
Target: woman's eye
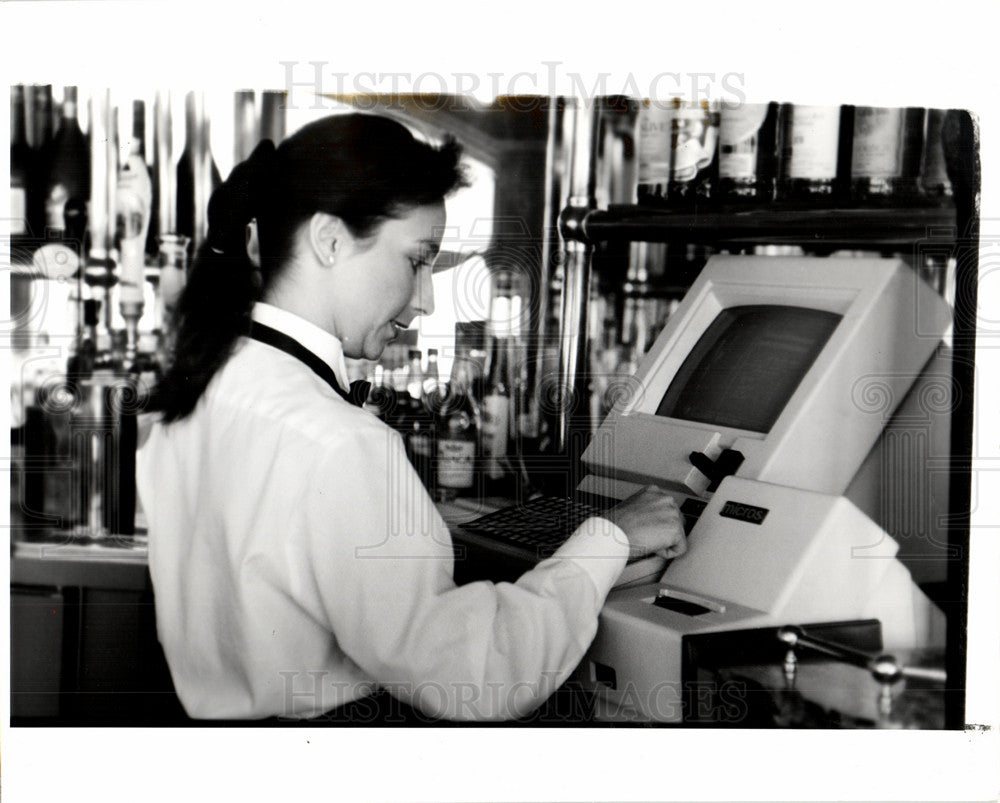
417,264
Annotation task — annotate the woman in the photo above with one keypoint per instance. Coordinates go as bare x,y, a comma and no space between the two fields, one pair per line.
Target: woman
297,561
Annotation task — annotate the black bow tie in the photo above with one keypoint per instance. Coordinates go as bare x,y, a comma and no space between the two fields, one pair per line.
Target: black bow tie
358,393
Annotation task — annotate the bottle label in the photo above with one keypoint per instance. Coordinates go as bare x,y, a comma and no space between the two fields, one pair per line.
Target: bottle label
815,134
739,139
693,142
495,426
878,147
456,462
653,143
18,211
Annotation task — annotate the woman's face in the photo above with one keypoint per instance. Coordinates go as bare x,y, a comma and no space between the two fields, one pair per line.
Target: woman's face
383,282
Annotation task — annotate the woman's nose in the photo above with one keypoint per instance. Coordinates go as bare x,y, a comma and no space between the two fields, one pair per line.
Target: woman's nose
423,295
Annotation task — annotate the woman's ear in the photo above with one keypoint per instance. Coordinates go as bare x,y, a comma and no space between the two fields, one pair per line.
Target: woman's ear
324,233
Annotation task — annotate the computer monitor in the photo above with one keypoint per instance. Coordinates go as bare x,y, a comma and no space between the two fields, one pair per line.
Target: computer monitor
757,406
767,371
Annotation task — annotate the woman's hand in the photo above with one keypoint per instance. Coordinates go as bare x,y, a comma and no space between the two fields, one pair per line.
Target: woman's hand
652,522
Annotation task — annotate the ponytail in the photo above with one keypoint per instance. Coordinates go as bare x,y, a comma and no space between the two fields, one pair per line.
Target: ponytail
222,286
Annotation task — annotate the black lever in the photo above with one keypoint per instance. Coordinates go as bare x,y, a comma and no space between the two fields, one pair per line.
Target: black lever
717,470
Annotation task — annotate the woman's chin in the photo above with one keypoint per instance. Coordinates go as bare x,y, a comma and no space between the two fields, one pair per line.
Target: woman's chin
374,348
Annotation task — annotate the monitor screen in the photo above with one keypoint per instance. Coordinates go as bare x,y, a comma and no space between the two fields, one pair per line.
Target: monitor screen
746,366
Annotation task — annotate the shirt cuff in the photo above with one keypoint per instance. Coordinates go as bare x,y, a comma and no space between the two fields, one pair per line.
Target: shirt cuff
601,550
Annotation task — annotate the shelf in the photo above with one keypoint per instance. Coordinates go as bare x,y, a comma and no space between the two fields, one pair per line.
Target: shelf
833,228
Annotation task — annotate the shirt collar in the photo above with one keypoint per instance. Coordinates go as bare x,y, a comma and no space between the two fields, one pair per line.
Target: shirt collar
321,343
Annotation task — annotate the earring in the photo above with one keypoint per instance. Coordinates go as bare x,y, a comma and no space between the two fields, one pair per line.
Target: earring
330,259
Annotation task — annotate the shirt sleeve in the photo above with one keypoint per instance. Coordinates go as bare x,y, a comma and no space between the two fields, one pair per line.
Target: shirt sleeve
381,560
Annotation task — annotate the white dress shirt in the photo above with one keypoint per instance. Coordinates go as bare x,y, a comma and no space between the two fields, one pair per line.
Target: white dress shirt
298,562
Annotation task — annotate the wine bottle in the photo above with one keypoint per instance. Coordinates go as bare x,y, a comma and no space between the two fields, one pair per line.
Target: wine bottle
67,166
21,170
272,116
195,168
748,158
885,152
458,422
810,149
934,179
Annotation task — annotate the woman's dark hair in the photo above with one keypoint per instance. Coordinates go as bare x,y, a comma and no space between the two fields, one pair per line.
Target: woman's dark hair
360,168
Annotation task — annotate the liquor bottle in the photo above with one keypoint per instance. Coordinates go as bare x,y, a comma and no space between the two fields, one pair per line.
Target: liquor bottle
694,138
412,420
102,210
405,382
414,374
245,132
652,135
196,166
272,116
21,169
810,151
40,125
66,161
142,149
497,398
885,152
135,205
470,345
748,158
934,179
431,383
458,422
424,398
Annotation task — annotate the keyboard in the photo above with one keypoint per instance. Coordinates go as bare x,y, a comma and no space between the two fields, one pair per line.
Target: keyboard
540,526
